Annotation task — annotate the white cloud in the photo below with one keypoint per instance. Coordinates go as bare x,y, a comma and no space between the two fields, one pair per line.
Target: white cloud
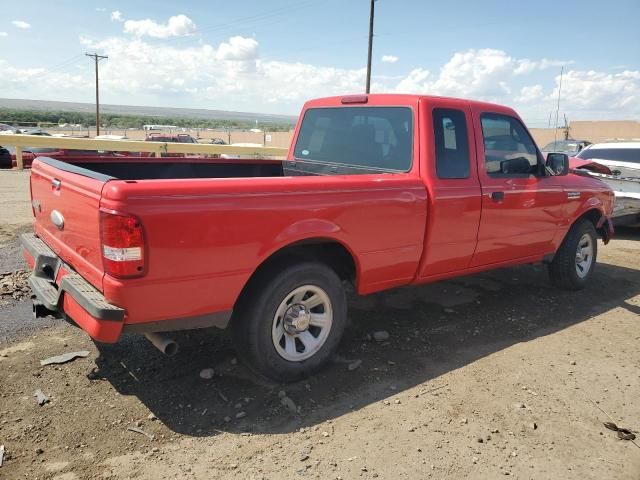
21,24
40,82
526,66
4,34
530,93
116,16
389,58
493,75
474,73
600,92
238,48
232,76
177,26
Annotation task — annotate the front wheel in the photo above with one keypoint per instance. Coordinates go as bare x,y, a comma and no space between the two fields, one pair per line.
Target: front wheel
575,260
290,320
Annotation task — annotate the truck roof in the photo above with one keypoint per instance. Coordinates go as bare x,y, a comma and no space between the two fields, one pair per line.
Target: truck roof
404,98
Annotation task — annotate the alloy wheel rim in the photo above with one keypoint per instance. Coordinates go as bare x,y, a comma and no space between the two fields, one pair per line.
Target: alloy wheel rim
584,255
302,323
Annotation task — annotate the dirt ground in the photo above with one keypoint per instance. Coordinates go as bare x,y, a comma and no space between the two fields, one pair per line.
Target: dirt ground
486,376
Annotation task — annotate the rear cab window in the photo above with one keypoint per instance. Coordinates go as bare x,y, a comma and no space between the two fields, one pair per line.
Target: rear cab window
452,143
354,140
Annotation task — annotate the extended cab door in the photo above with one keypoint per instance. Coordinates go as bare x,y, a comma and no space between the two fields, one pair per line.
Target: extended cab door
521,208
449,168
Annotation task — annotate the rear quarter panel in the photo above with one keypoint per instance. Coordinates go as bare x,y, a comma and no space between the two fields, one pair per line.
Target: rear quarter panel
206,237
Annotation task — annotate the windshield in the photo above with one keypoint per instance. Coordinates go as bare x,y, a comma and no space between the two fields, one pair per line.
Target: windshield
631,155
351,140
562,147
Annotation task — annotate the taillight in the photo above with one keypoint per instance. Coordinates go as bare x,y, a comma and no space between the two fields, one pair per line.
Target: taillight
122,242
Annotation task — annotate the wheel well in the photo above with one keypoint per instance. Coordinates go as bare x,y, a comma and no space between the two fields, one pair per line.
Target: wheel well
592,215
328,252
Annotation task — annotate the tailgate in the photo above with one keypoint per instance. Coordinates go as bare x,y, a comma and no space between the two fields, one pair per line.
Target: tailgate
66,205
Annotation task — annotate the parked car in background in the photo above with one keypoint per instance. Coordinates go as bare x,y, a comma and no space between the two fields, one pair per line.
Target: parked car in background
377,191
32,131
30,153
622,159
169,138
5,158
568,147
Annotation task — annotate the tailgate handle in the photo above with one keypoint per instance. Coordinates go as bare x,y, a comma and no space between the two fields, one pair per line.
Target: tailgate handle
55,183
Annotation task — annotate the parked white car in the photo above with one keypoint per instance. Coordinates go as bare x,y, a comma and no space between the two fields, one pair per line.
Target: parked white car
623,159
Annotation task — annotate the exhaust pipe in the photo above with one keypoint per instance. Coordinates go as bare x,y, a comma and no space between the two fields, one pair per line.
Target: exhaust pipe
166,345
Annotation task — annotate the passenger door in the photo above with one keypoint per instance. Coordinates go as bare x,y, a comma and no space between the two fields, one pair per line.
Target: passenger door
449,164
521,207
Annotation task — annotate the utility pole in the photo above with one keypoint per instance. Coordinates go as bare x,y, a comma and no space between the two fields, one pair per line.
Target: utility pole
370,46
96,59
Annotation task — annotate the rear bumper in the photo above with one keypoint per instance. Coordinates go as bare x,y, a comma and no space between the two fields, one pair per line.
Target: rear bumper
59,288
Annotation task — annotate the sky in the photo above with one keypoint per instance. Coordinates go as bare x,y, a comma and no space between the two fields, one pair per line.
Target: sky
270,57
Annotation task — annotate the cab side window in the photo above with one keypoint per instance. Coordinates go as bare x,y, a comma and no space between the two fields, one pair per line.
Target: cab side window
508,148
452,143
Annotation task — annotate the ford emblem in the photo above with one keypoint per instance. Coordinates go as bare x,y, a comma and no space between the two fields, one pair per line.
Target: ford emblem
57,219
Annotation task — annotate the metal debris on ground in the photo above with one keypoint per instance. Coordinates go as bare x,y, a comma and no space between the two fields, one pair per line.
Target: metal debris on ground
623,433
141,432
381,336
423,392
64,358
1,455
41,398
290,404
354,365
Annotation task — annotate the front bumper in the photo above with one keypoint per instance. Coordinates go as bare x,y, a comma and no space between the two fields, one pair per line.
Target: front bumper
59,288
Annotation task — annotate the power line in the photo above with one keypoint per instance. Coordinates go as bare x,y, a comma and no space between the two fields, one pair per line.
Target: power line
253,20
96,59
555,130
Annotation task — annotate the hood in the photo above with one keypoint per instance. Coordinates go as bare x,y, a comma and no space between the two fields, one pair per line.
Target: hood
589,165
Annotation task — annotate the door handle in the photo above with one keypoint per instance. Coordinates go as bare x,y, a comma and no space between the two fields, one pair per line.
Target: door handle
497,196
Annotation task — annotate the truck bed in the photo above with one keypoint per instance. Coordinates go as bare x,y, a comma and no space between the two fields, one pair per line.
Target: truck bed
150,168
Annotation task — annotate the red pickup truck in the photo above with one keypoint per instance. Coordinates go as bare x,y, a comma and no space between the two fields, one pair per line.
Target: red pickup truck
377,191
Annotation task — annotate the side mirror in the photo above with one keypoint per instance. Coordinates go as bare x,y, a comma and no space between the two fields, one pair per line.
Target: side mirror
558,164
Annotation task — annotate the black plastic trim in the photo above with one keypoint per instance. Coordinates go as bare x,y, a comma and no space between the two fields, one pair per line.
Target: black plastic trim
67,167
43,283
218,319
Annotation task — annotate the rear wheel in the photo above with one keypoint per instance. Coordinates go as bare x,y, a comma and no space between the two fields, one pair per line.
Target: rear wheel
290,320
575,260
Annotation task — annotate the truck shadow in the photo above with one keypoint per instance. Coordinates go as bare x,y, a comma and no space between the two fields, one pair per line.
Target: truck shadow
432,329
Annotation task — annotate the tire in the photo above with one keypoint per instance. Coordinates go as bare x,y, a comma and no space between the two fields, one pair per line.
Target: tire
572,270
279,307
